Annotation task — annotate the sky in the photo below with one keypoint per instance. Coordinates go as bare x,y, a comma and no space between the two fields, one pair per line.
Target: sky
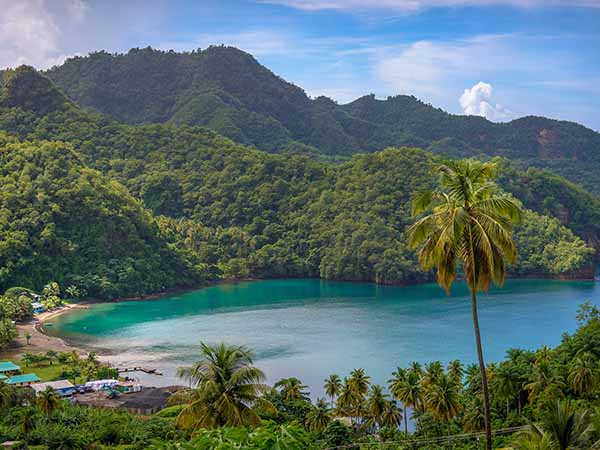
501,59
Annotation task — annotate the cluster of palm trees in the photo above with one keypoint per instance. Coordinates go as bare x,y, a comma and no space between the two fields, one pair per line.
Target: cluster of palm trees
365,404
416,388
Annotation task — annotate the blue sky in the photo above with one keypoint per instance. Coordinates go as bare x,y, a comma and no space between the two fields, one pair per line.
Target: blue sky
498,58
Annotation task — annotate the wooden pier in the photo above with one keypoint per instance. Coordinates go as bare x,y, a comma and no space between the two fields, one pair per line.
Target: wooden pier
138,369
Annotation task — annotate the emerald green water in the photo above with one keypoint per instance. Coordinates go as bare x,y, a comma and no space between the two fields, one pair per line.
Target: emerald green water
311,328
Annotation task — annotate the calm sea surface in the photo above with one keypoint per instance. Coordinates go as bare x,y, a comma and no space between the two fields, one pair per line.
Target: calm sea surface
311,328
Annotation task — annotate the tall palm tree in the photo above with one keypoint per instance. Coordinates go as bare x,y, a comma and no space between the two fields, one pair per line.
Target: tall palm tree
442,398
292,389
333,386
376,405
471,223
48,401
349,402
318,417
227,388
583,377
396,385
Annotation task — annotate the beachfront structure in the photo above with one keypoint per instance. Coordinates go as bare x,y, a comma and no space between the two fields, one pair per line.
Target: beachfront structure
37,307
23,380
64,388
98,385
8,368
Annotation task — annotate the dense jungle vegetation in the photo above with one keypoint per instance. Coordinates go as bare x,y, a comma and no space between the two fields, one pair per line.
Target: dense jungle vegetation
544,399
227,90
120,210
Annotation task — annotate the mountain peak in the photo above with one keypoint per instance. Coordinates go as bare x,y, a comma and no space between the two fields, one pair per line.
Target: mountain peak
26,88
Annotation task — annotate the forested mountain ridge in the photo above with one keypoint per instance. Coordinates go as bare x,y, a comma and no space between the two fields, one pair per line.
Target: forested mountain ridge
228,211
227,90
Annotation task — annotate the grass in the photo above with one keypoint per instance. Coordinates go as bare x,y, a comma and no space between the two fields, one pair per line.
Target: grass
49,372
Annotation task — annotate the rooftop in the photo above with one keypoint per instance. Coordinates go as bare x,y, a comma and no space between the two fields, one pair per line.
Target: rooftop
3,377
56,385
27,378
8,366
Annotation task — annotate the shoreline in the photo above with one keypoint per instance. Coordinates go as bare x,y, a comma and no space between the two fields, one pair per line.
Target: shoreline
42,342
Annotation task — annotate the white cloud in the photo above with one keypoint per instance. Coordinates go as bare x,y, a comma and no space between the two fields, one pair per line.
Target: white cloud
409,6
29,33
476,101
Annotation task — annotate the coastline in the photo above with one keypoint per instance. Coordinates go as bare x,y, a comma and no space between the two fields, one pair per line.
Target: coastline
40,341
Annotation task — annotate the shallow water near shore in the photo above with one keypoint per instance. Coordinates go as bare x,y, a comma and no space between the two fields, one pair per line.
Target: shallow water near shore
311,328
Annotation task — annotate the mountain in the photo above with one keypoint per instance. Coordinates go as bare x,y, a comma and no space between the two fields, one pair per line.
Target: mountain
227,90
224,210
60,220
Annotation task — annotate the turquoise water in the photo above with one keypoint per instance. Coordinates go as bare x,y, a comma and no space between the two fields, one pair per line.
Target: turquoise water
311,328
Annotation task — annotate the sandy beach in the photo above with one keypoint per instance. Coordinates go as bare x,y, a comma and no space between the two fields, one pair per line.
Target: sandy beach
40,342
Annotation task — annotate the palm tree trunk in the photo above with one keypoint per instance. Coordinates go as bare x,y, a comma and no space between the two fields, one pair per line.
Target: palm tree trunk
405,420
484,382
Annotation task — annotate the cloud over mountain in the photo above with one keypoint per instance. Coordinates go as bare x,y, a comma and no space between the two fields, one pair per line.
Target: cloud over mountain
476,101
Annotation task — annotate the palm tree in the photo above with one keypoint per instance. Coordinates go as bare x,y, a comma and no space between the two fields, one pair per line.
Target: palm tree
227,388
534,439
27,422
432,371
376,405
396,384
27,358
442,399
416,368
506,383
349,402
472,420
568,427
563,427
48,401
456,371
333,386
545,381
470,222
7,395
292,389
359,381
318,417
583,377
392,416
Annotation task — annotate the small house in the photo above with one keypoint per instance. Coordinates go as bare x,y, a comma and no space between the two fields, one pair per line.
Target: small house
99,385
37,307
8,368
64,388
23,380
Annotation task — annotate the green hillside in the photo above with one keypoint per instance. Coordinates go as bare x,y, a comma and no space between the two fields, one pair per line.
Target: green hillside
224,210
227,90
60,220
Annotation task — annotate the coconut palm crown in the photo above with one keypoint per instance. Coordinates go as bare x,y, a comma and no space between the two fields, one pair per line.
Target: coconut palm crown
468,222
